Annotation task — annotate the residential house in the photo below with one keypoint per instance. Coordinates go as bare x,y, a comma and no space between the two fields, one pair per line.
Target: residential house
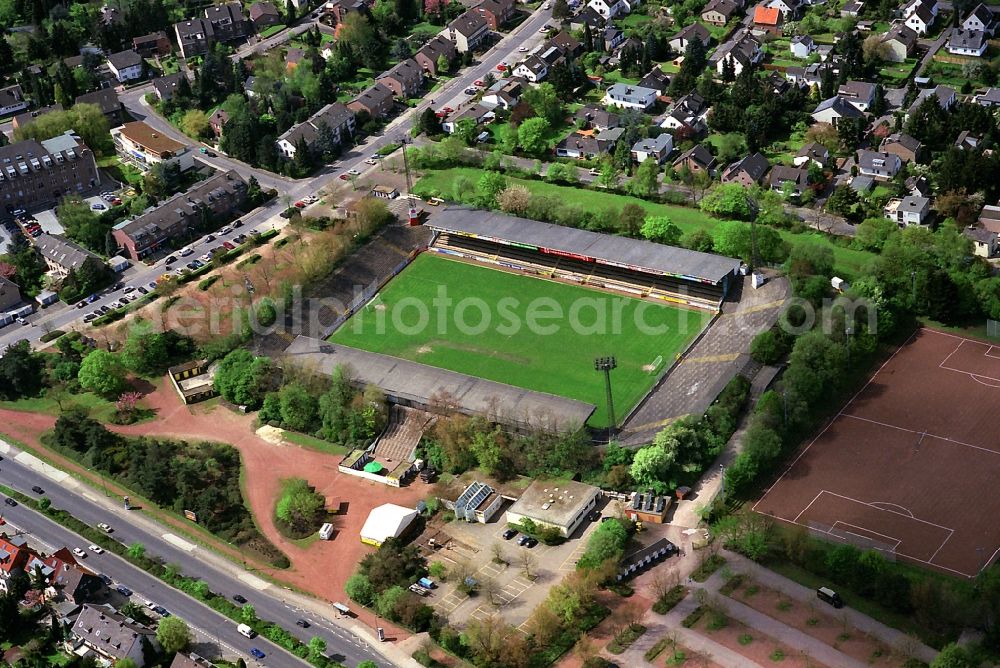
142,146
587,145
194,37
221,195
76,584
790,180
688,116
696,159
587,17
789,8
190,661
62,255
748,171
862,184
532,69
496,12
338,10
988,98
596,118
468,31
679,42
217,122
920,19
989,218
901,41
656,79
625,96
919,185
36,174
910,210
127,65
335,116
611,9
981,19
164,87
10,297
431,53
228,22
945,96
860,94
767,20
377,101
984,242
812,153
653,149
27,117
107,100
154,44
903,145
503,94
613,38
970,43
12,100
833,109
720,12
967,141
570,46
263,15
113,637
851,8
879,166
742,49
14,550
802,46
477,113
405,79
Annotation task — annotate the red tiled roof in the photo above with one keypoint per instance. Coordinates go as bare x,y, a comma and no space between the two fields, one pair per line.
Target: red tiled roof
766,16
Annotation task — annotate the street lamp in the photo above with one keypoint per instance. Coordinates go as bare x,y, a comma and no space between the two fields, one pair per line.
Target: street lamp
606,364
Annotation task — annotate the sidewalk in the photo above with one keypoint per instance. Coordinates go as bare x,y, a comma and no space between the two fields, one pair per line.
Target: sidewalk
890,636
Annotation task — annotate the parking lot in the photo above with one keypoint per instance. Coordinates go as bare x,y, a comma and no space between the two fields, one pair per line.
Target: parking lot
518,586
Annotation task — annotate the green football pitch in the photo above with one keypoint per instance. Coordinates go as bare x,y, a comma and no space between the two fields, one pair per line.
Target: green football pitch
529,332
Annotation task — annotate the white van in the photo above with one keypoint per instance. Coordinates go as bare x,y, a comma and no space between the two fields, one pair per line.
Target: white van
326,531
246,631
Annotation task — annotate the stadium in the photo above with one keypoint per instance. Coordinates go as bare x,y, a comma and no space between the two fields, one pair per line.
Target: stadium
506,316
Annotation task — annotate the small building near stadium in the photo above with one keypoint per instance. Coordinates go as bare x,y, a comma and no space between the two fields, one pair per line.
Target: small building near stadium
385,522
561,505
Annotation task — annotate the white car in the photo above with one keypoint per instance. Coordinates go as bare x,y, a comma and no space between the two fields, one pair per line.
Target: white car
353,172
186,251
79,552
104,526
225,230
523,49
206,258
371,161
96,549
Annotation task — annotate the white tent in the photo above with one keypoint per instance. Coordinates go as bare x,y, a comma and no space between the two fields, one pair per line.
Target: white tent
386,521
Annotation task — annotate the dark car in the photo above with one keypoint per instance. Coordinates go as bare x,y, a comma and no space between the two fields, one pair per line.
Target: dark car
161,611
10,502
123,590
531,542
37,490
142,290
256,653
105,579
596,515
509,533
237,223
171,259
301,622
523,539
239,599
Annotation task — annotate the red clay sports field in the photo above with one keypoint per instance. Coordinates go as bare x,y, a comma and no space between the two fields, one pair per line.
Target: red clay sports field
911,464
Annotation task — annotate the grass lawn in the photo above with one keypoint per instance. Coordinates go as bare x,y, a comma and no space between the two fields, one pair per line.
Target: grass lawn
635,20
273,30
99,408
499,338
313,443
848,262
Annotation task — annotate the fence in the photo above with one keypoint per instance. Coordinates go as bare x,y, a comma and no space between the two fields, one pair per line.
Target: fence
993,329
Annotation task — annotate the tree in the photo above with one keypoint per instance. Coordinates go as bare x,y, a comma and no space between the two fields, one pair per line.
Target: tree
873,233
298,407
102,373
531,135
767,347
728,200
515,200
87,120
661,230
242,378
466,130
126,663
632,218
651,464
136,550
195,123
21,371
299,506
545,102
173,635
490,185
607,542
733,238
560,9
646,179
317,647
360,589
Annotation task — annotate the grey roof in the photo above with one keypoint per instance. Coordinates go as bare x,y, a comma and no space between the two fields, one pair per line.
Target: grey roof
420,382
983,13
913,204
111,633
105,98
437,47
334,115
814,151
651,257
554,502
861,90
124,59
839,106
694,31
991,96
11,95
407,72
190,29
966,39
904,140
534,64
375,95
862,183
62,251
653,145
698,154
902,34
782,173
166,85
980,234
29,116
876,161
805,40
656,79
629,93
755,166
469,23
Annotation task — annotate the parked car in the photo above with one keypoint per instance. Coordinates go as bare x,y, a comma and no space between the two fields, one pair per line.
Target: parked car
225,230
354,172
123,590
509,533
106,579
160,610
97,206
89,317
300,205
185,252
371,161
96,549
79,552
239,599
37,490
82,304
129,288
522,49
479,83
237,223
256,653
531,542
105,527
302,623
209,237
142,290
151,285
229,245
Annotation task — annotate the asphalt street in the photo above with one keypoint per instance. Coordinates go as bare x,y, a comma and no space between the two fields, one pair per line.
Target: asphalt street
22,471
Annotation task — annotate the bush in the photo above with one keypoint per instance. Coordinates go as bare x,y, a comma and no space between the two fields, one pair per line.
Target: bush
51,336
669,601
207,283
711,564
768,347
693,617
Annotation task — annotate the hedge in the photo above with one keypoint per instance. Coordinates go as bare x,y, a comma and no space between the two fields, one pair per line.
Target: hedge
207,283
51,336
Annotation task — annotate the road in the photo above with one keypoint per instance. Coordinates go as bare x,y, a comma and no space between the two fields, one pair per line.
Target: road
23,471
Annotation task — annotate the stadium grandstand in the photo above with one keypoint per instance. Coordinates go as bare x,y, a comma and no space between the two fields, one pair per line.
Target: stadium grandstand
632,266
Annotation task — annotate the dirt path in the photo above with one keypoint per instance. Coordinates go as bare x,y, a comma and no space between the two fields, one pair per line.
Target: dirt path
322,567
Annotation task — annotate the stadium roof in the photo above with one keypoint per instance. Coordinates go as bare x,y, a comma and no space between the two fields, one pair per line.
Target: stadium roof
651,257
386,521
419,383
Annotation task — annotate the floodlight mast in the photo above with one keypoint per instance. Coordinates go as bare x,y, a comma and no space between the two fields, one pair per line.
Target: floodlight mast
607,364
